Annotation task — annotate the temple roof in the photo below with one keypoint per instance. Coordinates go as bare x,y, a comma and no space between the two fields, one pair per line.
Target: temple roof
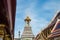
51,24
56,30
53,21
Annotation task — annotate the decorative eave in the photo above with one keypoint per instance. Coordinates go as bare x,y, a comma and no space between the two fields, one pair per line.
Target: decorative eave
56,30
11,4
10,8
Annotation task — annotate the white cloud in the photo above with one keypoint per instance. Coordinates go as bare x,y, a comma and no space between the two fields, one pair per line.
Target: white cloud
38,24
52,5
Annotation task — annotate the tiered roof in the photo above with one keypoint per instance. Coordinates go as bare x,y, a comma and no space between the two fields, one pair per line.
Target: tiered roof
56,30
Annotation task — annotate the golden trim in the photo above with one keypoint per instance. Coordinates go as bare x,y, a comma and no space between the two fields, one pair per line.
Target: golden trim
2,25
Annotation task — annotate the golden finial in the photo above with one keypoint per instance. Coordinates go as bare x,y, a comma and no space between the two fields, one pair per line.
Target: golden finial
27,19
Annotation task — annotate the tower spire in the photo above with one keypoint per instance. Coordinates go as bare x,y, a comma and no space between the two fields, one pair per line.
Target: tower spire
27,20
27,33
19,35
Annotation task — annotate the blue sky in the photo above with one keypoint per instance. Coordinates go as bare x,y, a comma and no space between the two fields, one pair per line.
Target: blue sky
40,11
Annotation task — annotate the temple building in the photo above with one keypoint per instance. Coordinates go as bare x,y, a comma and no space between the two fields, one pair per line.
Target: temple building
52,31
7,19
55,33
27,33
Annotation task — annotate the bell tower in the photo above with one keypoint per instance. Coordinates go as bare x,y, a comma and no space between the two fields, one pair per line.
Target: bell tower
27,33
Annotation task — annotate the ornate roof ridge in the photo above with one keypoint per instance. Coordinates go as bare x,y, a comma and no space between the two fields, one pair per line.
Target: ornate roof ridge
56,29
